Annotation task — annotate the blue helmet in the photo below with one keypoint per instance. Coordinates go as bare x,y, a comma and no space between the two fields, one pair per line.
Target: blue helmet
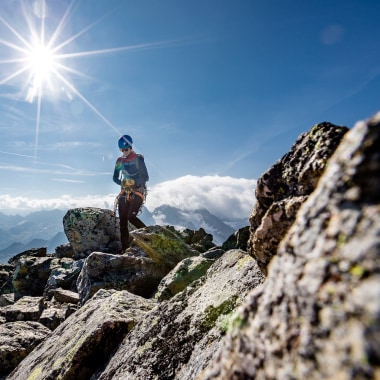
125,142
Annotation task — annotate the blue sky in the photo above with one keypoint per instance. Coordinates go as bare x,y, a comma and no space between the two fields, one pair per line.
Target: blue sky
210,90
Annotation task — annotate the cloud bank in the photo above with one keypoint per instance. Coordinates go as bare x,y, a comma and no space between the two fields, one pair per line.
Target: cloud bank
225,197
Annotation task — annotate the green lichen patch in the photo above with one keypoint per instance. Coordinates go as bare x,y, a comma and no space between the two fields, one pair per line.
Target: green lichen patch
212,313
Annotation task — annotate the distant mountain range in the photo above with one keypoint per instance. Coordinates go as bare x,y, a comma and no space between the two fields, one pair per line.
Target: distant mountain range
45,228
35,230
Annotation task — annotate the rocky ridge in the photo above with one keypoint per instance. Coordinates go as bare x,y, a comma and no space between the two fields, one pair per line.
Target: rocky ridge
293,295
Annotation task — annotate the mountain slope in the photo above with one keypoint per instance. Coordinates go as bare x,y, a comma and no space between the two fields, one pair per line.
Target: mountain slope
194,219
17,247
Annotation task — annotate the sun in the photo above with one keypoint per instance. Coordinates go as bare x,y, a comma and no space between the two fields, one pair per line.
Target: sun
42,62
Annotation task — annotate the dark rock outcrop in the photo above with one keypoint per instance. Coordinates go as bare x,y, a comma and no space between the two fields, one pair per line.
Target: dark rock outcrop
198,239
238,240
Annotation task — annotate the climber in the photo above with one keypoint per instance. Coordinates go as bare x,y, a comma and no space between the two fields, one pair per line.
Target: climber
131,174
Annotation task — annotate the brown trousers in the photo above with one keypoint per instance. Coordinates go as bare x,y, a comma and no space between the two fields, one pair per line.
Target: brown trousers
129,207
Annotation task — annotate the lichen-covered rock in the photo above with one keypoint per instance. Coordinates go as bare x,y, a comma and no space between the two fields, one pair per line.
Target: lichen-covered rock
81,345
176,339
17,340
25,309
198,239
162,245
32,274
66,296
185,272
295,175
91,229
63,275
156,251
317,316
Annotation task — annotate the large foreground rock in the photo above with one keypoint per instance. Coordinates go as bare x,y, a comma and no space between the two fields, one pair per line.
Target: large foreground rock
83,344
317,316
282,189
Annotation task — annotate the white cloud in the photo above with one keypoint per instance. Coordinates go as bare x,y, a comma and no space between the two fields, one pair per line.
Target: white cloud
67,180
24,205
225,197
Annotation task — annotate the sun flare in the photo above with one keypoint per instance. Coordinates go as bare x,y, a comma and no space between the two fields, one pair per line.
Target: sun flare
38,59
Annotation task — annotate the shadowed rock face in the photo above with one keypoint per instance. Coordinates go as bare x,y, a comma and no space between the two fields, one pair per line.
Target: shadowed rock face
283,188
317,315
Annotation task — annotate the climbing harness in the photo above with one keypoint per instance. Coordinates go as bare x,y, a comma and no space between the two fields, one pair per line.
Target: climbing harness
129,193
